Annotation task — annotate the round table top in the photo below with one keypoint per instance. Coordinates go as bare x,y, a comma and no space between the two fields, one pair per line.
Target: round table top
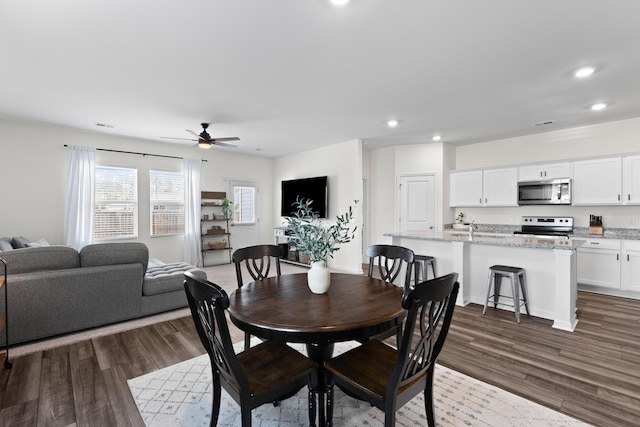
355,307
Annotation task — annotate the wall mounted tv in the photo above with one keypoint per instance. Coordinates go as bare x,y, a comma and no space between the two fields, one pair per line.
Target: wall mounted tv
315,189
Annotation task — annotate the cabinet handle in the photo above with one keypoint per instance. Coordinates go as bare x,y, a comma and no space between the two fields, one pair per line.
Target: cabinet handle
594,243
541,174
629,197
485,200
480,200
627,257
618,197
617,257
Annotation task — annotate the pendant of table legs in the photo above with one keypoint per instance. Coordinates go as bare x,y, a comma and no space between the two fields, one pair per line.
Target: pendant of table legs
319,354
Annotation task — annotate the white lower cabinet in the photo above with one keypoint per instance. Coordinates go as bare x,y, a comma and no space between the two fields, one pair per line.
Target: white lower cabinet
599,263
631,265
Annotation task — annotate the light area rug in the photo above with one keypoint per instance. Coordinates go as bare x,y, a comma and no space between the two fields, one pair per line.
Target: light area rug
180,395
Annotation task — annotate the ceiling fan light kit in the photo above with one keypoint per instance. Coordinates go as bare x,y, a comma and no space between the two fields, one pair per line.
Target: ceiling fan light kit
205,141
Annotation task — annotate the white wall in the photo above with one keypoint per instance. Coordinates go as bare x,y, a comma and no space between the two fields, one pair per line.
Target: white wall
613,138
342,164
387,164
33,159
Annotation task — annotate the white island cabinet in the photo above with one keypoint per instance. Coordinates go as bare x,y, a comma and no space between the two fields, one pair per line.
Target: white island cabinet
550,268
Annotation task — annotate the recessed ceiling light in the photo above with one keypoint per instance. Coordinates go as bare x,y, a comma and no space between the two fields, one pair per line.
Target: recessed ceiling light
392,123
599,106
436,138
584,72
339,2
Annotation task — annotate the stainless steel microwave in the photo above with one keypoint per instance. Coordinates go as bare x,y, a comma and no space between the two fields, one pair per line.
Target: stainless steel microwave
551,192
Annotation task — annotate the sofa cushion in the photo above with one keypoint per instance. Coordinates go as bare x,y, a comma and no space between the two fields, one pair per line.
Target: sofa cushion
5,245
20,242
167,277
100,254
44,258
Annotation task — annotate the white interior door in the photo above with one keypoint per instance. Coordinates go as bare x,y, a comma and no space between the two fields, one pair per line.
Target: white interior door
244,224
417,202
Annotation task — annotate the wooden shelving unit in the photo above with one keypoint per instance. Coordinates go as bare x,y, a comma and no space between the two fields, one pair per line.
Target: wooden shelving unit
220,238
4,324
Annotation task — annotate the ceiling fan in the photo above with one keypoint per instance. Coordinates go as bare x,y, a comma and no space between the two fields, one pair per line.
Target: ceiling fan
205,140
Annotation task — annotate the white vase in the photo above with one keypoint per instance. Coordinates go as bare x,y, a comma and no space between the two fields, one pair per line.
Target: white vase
319,277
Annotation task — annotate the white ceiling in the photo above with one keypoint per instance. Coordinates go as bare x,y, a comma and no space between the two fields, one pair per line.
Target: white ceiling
289,75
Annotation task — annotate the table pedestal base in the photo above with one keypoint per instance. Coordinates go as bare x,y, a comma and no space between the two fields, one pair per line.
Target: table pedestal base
319,354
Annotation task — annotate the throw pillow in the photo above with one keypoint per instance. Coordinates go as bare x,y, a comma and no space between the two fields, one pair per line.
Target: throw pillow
5,246
20,242
38,244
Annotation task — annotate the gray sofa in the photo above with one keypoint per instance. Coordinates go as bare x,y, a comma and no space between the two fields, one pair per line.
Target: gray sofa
54,290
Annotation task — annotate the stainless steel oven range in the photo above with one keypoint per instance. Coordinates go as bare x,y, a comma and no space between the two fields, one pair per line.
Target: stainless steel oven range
546,226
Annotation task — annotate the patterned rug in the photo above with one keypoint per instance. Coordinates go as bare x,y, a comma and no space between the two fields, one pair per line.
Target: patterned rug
180,395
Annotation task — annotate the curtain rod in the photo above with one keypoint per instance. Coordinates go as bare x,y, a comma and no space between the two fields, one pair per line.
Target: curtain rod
140,154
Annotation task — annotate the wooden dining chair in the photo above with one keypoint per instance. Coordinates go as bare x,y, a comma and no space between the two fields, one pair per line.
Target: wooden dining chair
388,378
257,260
269,372
391,261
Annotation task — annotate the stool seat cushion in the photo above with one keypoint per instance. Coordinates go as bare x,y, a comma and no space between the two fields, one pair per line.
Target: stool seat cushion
506,268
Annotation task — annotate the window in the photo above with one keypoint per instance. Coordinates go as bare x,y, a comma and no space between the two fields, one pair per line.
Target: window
244,205
167,202
116,207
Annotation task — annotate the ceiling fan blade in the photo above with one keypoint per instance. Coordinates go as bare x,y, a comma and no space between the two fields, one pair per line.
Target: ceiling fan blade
194,134
184,139
222,144
231,138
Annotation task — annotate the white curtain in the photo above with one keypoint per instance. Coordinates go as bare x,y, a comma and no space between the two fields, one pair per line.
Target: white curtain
78,221
192,208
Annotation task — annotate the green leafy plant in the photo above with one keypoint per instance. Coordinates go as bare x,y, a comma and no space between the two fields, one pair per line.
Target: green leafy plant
226,208
460,218
314,237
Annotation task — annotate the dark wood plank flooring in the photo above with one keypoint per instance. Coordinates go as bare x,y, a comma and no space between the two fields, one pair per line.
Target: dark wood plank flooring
592,374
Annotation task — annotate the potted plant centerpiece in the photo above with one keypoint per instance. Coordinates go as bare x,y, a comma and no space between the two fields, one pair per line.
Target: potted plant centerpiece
319,240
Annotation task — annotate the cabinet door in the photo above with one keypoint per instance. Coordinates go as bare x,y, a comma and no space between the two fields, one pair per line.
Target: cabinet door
500,187
599,263
631,266
631,180
597,182
545,171
465,188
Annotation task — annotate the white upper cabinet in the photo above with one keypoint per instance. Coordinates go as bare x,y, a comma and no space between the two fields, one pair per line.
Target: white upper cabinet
631,180
597,181
545,171
500,187
491,187
465,188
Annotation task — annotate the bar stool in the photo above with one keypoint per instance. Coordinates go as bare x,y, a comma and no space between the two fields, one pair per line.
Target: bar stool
516,274
421,263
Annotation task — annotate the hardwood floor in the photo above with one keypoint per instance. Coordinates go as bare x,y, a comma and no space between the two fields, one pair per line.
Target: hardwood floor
592,374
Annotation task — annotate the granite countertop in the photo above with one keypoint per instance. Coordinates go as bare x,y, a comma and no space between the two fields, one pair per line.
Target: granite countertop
578,232
495,239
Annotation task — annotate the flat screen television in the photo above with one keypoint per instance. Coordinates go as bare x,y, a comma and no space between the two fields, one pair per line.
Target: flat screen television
315,189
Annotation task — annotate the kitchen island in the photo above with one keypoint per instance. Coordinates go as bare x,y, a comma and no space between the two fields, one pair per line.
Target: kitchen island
549,263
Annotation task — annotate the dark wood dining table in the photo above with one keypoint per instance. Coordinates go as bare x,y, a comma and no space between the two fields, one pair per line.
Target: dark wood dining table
356,307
